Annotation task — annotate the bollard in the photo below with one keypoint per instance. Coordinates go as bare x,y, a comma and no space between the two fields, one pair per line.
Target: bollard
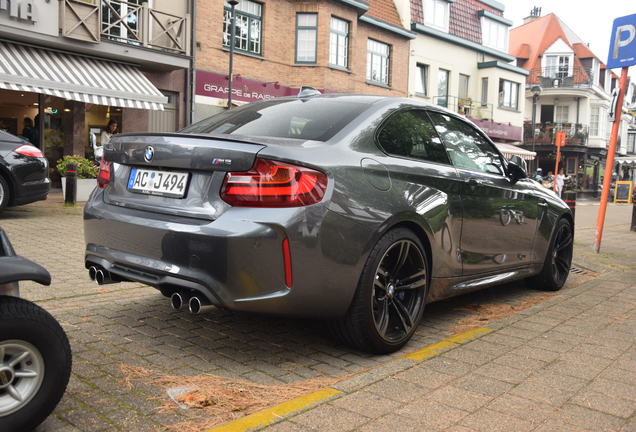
570,200
70,195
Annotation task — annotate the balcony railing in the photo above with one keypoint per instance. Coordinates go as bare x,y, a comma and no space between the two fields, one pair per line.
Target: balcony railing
575,133
138,24
465,106
555,77
131,22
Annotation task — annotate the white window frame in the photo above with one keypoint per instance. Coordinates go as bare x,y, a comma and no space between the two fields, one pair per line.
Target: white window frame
421,79
595,121
562,114
436,13
378,55
494,34
507,96
338,43
563,65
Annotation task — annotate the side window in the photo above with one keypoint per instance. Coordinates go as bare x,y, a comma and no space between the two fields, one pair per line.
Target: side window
467,148
411,134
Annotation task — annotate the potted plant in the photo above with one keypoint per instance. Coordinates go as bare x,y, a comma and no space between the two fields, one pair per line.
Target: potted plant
86,175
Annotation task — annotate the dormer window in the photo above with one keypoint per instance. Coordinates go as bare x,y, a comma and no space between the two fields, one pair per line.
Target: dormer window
494,34
436,13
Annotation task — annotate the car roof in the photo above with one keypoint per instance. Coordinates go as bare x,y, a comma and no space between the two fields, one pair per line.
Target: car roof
7,137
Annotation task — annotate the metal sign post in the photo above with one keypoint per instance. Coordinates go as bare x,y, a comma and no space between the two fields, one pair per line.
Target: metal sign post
622,53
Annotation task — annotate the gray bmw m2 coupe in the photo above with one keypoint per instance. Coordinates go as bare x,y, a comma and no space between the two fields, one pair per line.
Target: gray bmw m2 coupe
356,209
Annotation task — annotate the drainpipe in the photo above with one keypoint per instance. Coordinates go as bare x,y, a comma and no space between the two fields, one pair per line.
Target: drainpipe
191,85
578,108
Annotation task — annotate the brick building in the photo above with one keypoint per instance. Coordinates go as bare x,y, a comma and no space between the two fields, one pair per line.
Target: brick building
333,45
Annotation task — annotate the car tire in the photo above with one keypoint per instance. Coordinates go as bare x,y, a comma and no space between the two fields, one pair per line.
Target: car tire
25,328
5,193
558,260
389,302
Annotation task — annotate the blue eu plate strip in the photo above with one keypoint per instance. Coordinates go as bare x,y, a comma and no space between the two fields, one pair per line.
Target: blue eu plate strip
131,179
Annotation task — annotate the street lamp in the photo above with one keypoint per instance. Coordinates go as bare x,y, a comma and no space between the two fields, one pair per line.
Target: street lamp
232,4
536,91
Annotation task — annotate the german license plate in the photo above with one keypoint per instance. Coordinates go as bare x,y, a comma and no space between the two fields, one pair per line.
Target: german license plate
156,182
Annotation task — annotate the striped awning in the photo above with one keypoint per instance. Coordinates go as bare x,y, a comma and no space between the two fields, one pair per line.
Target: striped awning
68,76
510,149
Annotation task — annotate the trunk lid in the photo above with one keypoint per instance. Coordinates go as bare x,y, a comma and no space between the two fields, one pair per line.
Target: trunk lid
203,158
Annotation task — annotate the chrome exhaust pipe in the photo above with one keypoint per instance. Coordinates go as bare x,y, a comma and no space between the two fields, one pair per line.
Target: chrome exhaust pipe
178,300
104,277
197,305
92,272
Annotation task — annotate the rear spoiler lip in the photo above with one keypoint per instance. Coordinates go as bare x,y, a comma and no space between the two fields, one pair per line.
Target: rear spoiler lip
244,139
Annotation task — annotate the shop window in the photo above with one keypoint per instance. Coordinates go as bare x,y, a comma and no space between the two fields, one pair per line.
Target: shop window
631,143
306,37
508,94
570,166
421,80
436,13
339,43
378,62
247,28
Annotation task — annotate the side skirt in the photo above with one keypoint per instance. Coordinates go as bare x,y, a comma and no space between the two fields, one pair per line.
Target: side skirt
442,288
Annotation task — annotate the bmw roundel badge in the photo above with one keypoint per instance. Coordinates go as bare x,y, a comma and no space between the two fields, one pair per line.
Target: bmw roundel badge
149,153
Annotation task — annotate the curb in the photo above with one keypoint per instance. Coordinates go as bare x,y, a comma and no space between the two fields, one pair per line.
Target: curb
271,415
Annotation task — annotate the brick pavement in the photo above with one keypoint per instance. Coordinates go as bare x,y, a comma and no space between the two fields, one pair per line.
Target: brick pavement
133,325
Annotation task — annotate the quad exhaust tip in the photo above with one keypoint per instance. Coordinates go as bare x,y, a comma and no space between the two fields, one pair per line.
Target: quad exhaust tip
178,300
92,272
197,305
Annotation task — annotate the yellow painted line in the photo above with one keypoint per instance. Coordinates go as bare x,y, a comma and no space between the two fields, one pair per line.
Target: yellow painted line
453,341
268,415
469,335
429,351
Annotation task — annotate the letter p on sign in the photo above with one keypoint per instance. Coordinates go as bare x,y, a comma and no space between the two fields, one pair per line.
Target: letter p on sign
622,51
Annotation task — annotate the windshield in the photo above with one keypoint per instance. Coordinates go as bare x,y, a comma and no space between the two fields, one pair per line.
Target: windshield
307,119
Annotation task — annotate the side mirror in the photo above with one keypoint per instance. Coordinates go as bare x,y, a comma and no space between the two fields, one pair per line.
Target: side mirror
517,169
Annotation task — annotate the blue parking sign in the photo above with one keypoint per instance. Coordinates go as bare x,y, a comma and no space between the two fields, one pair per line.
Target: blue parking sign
622,51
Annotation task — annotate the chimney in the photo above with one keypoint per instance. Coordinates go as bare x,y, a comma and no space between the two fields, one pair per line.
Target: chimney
534,14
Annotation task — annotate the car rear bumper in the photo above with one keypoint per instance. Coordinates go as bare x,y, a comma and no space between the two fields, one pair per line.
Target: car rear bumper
32,191
235,261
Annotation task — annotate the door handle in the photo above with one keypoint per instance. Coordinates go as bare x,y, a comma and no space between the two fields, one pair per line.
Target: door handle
543,204
474,182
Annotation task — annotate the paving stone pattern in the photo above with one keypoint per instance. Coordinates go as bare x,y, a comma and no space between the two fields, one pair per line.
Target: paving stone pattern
130,324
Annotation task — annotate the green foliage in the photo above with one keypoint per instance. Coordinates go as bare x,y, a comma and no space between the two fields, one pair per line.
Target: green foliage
86,169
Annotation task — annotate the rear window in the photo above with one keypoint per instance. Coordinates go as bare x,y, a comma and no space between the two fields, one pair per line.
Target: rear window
316,119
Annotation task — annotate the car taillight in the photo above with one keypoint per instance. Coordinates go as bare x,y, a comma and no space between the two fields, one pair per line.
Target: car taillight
29,150
103,176
274,184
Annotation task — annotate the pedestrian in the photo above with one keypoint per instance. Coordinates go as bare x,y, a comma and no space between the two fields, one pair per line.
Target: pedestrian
28,131
539,175
107,134
560,181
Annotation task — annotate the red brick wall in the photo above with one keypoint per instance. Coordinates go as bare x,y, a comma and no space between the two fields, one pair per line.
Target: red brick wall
278,49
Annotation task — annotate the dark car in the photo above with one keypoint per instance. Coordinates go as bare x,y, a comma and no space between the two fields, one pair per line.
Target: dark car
356,209
24,175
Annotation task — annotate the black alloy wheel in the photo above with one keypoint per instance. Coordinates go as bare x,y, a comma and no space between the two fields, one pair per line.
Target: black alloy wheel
390,298
398,290
556,267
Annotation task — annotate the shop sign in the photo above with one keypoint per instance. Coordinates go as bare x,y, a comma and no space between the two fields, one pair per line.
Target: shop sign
27,14
499,130
243,89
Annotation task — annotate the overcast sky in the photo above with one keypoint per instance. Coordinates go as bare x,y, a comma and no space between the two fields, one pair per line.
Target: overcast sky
592,21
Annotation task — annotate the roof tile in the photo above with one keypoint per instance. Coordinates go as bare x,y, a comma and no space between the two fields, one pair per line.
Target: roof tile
384,10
